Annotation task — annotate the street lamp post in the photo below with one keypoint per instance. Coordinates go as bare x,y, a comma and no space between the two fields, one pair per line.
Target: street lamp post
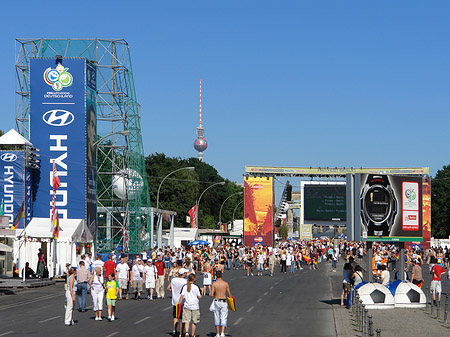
190,168
122,132
198,201
223,203
232,225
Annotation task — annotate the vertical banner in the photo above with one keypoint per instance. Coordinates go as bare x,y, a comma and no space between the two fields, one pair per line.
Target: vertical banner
306,232
12,177
426,210
193,214
28,196
58,129
258,211
91,132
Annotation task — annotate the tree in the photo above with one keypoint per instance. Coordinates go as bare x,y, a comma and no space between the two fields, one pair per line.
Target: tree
180,191
283,232
440,203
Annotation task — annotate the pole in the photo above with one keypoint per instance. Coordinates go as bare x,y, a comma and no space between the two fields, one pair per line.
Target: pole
198,201
171,238
401,270
152,226
234,212
369,262
223,203
159,230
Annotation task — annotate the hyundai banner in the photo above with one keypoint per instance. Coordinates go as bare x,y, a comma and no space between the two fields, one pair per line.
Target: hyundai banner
12,177
58,129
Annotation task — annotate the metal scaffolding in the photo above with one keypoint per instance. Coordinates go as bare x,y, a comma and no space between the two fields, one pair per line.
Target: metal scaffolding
119,153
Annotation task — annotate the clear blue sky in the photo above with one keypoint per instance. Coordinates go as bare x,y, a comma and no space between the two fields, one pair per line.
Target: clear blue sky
285,83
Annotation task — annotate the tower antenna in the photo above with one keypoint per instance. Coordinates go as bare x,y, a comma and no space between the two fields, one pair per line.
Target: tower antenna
200,143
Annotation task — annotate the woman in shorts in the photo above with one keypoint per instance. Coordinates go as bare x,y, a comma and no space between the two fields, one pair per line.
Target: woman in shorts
190,292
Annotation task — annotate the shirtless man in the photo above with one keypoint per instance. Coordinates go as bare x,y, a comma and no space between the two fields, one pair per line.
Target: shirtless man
207,277
220,288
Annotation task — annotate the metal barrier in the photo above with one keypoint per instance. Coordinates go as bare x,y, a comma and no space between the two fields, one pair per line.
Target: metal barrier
378,332
446,309
370,326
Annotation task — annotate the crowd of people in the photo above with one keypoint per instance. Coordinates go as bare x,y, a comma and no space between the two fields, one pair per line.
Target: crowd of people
144,276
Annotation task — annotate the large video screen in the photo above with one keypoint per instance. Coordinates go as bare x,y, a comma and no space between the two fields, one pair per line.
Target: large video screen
324,203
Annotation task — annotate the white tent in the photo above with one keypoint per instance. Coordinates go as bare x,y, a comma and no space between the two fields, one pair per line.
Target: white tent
12,137
182,236
59,252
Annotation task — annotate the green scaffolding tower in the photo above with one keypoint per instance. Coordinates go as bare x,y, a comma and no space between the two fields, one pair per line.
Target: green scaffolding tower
121,222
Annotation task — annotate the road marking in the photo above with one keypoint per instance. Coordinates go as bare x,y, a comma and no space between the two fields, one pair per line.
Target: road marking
167,308
271,288
276,283
7,333
49,319
113,334
142,320
238,321
250,309
232,279
266,293
259,300
4,307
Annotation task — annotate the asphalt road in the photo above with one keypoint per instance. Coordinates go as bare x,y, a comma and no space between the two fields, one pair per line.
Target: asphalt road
282,305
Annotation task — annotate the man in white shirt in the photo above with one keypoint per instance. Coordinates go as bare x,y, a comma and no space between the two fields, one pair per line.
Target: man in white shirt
150,279
384,276
137,277
123,276
175,286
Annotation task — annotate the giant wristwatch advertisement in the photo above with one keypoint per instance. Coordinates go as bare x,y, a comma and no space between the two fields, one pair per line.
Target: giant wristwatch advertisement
390,207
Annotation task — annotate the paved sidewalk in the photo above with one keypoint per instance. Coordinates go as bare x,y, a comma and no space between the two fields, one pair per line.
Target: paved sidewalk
392,322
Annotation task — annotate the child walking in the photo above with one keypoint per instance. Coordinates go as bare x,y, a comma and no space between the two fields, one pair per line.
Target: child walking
112,290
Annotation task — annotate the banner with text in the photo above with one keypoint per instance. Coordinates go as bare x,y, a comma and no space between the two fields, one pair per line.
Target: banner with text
258,211
58,129
12,187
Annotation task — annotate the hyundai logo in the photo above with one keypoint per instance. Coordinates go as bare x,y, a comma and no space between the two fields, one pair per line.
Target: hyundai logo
58,117
8,157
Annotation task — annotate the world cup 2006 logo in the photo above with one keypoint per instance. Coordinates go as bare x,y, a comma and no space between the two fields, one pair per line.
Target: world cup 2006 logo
58,78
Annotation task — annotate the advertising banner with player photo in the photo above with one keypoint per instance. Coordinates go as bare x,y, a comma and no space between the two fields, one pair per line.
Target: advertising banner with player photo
390,207
258,211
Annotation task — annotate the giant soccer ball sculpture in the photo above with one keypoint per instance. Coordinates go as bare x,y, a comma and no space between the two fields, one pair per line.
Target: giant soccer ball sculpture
376,296
407,295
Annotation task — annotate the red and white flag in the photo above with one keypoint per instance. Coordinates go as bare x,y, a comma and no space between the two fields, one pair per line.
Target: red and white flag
56,183
193,214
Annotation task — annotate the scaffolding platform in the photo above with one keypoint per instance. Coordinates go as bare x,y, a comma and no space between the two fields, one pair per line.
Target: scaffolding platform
15,282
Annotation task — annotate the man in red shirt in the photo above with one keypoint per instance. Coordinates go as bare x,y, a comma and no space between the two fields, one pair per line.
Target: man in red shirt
435,287
109,266
159,264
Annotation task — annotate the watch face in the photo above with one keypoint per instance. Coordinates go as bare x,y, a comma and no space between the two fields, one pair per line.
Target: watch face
377,203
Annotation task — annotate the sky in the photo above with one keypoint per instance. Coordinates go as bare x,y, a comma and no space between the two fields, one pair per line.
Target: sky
284,83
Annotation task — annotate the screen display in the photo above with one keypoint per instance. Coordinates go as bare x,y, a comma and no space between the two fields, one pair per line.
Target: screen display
324,203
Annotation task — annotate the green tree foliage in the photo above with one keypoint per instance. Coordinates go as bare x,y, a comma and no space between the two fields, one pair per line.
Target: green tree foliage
440,203
180,190
283,232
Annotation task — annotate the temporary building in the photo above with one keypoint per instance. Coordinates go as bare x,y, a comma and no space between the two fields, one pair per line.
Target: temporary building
59,252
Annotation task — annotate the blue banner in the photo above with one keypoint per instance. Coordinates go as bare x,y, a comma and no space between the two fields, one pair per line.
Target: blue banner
58,129
12,189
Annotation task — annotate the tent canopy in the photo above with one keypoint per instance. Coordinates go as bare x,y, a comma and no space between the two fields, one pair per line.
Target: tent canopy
5,248
12,137
70,230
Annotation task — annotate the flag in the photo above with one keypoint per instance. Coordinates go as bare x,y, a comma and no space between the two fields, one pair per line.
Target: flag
20,214
1,208
56,184
56,227
56,181
193,214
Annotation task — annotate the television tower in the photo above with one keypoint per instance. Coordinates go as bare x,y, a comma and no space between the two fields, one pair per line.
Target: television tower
200,143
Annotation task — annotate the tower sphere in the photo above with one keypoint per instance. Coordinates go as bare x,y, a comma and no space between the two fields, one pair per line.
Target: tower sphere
200,144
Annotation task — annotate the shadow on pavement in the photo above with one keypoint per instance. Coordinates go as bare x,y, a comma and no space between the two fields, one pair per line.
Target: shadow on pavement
332,301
